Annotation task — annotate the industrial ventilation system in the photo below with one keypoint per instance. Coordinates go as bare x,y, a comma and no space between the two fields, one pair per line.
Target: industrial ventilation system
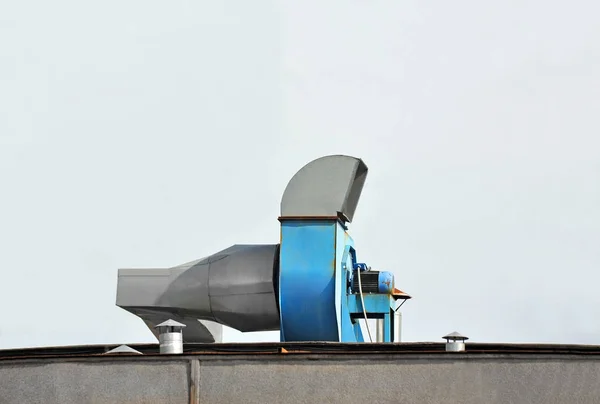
311,286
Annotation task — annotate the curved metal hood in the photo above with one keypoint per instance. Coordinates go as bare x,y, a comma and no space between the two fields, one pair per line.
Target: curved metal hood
329,186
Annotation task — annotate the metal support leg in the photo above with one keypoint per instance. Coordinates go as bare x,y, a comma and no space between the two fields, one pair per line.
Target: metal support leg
397,326
387,328
380,327
358,332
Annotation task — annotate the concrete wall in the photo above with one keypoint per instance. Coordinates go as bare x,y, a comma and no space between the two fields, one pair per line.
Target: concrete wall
348,378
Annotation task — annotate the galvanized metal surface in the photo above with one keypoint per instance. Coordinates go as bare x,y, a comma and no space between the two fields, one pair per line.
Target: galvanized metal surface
234,287
329,186
170,343
397,326
168,325
379,330
306,378
455,346
455,342
455,336
123,349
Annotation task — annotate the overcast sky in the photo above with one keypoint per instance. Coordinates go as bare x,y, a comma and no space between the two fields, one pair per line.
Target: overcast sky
152,133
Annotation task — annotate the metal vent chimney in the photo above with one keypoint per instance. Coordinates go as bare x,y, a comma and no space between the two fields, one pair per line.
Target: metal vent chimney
170,337
455,342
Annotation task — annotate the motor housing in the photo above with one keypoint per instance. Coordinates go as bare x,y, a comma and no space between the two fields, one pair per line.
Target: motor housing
380,282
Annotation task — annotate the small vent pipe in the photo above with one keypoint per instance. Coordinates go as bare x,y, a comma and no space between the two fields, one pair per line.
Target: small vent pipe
170,337
455,342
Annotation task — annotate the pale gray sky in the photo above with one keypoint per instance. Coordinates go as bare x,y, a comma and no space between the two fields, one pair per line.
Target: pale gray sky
149,134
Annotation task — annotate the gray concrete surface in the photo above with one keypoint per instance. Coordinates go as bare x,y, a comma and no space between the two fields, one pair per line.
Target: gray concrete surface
348,378
94,382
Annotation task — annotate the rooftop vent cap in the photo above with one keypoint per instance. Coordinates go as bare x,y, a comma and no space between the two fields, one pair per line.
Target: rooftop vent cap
170,337
455,342
123,350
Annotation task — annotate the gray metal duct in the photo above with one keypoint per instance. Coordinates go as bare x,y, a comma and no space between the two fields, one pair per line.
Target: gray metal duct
238,287
329,186
235,287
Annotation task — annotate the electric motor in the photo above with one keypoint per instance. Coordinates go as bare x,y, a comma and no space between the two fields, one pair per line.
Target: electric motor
372,282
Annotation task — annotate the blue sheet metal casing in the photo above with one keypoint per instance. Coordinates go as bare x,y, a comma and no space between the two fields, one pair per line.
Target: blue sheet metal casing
307,280
316,256
386,282
316,252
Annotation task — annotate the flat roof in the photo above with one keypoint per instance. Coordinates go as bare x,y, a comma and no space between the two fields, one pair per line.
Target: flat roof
313,348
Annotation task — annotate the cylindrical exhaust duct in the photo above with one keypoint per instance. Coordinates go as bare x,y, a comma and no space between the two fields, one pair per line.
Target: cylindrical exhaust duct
170,337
